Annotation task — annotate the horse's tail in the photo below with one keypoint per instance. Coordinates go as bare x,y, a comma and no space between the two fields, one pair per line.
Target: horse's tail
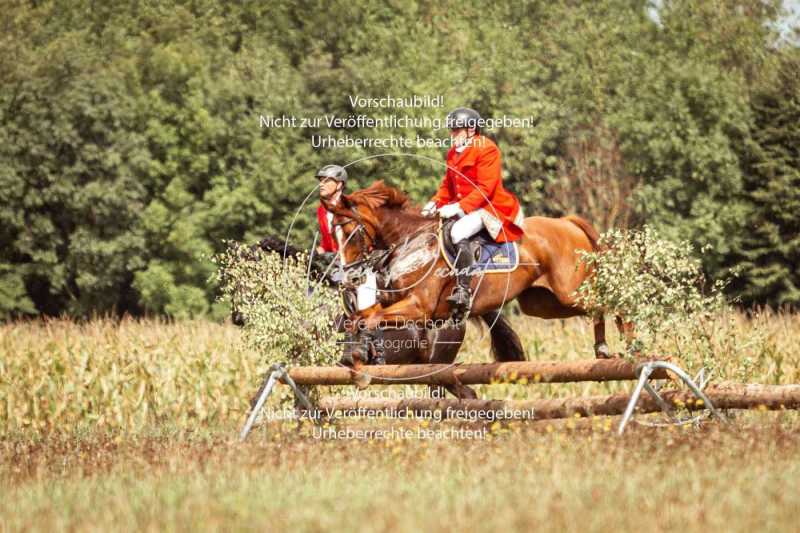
506,344
587,228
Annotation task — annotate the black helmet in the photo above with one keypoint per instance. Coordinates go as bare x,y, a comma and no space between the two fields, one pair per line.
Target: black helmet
334,172
463,117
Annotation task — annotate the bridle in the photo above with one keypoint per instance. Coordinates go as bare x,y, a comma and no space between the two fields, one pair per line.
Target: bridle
362,230
368,256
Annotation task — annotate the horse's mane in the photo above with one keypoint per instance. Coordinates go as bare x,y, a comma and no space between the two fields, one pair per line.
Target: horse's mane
405,215
379,195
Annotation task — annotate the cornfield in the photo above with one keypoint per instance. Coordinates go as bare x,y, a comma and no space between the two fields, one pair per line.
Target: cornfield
131,375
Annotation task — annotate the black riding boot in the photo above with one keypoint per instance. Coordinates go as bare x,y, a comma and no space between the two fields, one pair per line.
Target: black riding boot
460,299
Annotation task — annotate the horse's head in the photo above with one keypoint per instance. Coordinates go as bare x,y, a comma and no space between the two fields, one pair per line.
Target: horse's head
359,218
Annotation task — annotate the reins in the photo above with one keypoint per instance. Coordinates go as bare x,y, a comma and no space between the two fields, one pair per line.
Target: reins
370,257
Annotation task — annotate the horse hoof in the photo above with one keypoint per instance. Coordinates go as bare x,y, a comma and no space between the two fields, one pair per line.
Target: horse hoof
601,351
361,380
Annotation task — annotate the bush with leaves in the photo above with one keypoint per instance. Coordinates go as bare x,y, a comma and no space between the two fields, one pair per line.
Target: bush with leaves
658,286
288,318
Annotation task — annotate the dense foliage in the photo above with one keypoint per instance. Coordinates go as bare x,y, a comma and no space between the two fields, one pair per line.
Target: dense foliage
287,316
658,287
131,144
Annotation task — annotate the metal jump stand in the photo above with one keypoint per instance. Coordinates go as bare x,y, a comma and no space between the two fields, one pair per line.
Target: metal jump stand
696,385
277,372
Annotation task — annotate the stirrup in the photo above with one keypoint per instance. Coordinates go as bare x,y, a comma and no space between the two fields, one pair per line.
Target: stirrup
459,297
460,303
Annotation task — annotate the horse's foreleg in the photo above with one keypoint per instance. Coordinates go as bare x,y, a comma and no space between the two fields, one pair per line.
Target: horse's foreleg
411,311
460,391
405,313
371,323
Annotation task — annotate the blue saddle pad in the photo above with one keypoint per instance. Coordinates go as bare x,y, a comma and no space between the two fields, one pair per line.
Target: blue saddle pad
494,257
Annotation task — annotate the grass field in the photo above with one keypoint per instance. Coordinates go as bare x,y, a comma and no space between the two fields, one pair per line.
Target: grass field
133,425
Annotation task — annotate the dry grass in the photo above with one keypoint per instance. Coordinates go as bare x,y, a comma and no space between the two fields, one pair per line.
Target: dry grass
518,478
132,425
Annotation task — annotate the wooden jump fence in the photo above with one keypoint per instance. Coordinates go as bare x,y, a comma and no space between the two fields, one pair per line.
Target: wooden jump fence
697,397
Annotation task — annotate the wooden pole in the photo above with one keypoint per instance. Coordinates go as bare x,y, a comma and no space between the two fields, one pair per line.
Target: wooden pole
474,374
726,396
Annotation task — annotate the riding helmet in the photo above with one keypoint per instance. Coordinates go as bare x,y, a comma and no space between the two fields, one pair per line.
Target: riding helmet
334,172
463,117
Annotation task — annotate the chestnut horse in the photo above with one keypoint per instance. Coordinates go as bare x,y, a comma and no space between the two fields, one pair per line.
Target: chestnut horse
409,345
544,283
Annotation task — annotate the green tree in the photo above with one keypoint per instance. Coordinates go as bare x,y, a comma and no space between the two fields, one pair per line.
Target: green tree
769,254
131,144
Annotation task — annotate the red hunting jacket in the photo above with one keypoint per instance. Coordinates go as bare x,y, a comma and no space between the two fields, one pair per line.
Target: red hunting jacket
328,241
481,180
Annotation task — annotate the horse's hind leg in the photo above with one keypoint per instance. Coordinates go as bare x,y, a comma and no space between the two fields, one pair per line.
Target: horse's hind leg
627,331
601,350
541,302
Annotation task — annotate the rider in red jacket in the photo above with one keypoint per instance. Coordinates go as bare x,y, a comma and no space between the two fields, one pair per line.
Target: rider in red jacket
331,186
472,189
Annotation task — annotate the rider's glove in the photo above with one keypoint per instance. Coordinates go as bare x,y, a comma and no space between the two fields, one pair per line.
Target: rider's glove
429,209
451,210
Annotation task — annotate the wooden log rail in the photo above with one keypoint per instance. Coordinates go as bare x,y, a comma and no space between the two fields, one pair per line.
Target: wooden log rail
475,374
729,396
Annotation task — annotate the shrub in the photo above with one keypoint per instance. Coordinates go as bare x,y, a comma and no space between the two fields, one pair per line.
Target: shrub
287,317
658,285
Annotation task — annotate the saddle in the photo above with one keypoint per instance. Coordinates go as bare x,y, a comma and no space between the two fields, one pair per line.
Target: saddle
490,256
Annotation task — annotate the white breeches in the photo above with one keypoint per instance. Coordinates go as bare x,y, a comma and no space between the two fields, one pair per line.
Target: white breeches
367,292
467,226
